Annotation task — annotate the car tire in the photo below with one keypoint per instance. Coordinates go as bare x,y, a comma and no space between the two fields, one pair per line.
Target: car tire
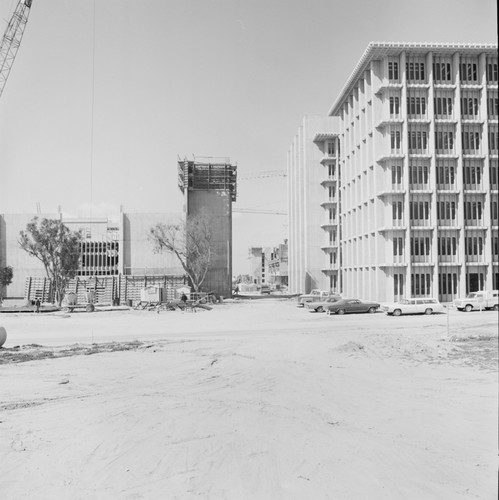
428,311
89,308
319,309
496,307
340,311
468,308
371,310
397,312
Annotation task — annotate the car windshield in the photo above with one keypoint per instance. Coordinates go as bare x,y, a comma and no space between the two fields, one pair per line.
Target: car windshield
403,301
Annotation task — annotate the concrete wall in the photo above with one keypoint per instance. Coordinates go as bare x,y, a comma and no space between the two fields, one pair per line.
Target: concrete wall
12,255
218,205
305,195
138,256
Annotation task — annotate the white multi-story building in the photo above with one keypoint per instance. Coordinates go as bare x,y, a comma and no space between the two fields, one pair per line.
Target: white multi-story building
418,172
312,204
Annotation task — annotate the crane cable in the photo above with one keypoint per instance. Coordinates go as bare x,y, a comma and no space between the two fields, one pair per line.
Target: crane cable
92,112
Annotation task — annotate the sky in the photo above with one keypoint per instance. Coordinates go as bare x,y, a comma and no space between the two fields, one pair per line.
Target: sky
104,96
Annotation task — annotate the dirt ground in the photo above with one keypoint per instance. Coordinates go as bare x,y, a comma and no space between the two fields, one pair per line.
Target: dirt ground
252,400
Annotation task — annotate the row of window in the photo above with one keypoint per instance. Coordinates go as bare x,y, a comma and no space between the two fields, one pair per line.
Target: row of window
443,106
444,140
442,72
421,284
446,245
446,175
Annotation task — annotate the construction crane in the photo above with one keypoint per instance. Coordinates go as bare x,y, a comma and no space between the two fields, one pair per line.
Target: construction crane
263,174
12,39
258,211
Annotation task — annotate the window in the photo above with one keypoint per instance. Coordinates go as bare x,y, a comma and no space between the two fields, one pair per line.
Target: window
444,140
492,72
396,175
447,284
474,245
493,172
447,245
330,148
470,105
393,71
418,140
398,246
472,174
419,211
420,246
492,105
394,106
395,141
494,212
469,72
493,140
442,72
446,212
415,71
446,174
397,210
471,140
443,106
420,284
398,285
418,176
416,106
473,211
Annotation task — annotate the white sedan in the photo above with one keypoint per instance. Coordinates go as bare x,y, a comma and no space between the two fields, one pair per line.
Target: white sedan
413,306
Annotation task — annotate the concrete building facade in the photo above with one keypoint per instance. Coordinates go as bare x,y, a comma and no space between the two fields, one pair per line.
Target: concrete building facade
312,204
418,129
108,248
210,187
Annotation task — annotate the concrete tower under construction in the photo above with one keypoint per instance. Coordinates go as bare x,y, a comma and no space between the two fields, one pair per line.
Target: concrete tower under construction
210,186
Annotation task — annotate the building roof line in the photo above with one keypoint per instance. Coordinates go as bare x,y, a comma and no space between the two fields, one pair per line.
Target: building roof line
394,48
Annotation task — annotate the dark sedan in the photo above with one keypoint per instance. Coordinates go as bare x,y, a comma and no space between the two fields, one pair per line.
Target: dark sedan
352,306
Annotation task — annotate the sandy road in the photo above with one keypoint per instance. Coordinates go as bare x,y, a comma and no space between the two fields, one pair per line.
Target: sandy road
278,404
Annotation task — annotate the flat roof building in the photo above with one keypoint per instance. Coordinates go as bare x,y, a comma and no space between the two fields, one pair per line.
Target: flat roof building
418,129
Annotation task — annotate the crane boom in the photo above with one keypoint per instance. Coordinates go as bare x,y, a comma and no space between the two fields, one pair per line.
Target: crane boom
12,39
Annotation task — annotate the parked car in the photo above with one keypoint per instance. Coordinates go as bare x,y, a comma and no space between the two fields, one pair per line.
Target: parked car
352,306
413,306
314,296
478,300
322,305
265,290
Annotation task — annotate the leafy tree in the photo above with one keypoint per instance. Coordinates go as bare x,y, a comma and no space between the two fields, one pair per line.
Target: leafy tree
190,241
57,247
6,276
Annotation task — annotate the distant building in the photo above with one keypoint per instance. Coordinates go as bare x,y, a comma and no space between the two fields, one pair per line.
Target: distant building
418,175
109,248
313,205
269,265
210,186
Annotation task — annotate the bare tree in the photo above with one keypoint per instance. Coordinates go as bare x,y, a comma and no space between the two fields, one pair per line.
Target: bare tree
57,247
190,241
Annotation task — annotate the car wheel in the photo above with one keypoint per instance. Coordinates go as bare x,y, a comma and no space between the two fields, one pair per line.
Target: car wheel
428,311
397,312
89,308
340,311
65,309
371,310
468,308
496,307
320,309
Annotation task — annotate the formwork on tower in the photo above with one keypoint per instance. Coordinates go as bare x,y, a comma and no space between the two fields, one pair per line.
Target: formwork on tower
209,186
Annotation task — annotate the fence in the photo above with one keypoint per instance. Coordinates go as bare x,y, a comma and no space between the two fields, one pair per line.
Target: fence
107,289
